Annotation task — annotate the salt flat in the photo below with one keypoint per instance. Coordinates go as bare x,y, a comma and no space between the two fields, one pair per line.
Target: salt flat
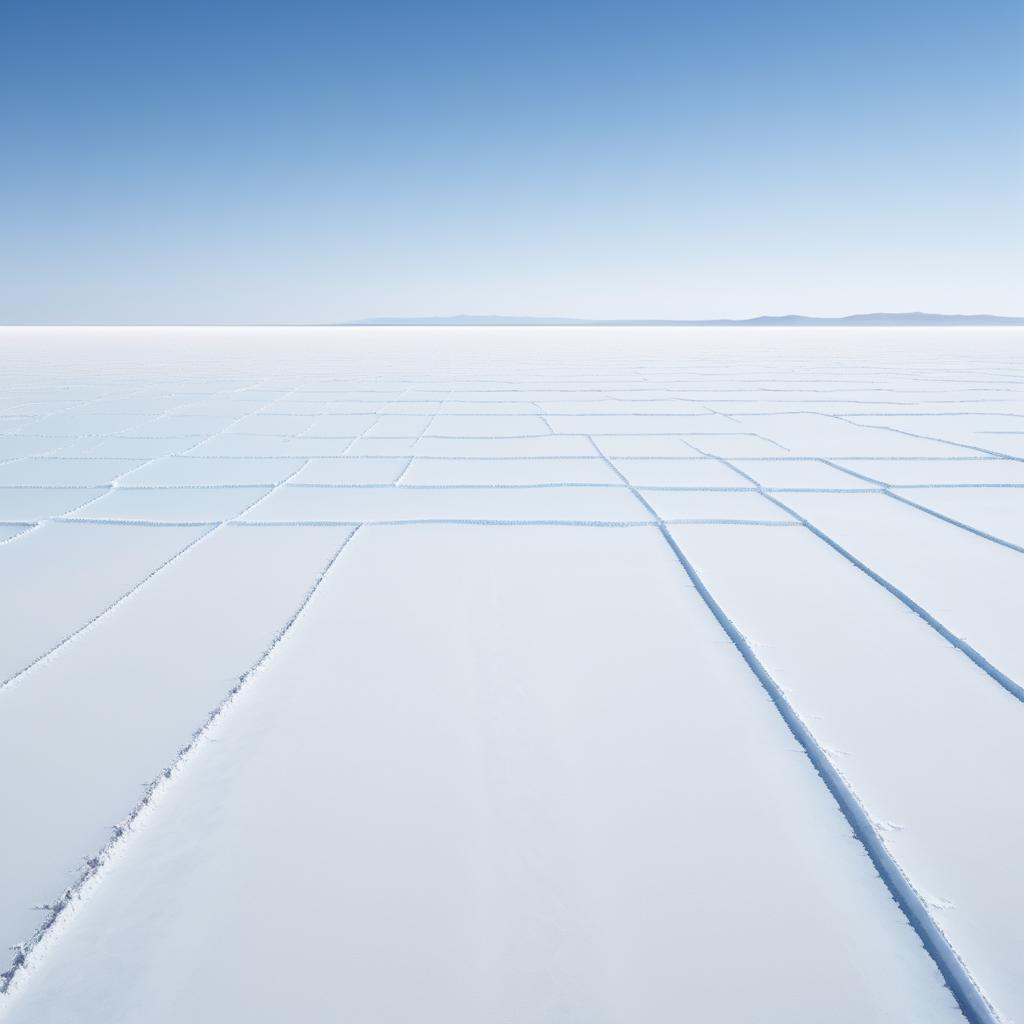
540,674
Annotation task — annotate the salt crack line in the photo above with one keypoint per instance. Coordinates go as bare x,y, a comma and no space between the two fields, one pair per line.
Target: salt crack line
957,522
60,913
49,655
914,905
26,528
1011,686
928,437
208,529
889,490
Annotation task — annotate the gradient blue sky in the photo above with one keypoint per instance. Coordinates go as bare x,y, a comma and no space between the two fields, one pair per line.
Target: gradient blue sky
315,162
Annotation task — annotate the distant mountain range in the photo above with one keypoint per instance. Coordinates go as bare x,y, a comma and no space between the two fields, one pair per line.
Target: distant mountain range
857,320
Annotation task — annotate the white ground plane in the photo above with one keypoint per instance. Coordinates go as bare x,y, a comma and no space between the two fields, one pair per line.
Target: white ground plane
530,675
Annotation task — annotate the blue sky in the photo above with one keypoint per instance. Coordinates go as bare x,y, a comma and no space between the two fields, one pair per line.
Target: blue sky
317,162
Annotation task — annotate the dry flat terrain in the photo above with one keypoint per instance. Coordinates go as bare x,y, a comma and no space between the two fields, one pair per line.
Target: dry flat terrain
512,675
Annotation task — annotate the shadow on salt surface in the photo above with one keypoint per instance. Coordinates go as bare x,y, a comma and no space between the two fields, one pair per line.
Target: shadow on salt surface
172,505
377,504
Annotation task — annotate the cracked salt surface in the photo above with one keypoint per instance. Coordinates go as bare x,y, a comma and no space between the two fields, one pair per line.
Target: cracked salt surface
496,769
928,740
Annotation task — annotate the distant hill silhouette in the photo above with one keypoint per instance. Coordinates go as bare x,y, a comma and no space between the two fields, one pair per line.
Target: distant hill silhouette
857,320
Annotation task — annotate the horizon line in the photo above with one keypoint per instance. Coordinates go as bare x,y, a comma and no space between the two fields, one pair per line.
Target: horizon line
916,318
908,319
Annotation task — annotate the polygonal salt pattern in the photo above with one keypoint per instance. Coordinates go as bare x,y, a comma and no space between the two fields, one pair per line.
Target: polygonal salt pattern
543,566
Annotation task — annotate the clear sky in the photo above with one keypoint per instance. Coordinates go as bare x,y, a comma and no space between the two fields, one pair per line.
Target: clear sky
217,162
